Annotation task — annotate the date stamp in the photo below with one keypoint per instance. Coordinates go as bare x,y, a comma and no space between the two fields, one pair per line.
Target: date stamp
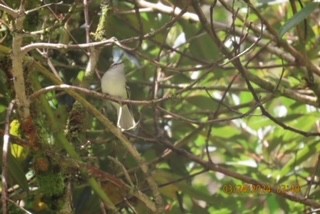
260,189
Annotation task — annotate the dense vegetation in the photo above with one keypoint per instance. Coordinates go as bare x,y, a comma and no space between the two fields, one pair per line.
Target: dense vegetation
226,94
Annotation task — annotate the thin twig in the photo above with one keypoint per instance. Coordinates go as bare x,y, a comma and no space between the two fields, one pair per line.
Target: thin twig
5,156
86,20
42,6
313,177
49,62
93,54
243,52
123,169
58,23
159,6
19,207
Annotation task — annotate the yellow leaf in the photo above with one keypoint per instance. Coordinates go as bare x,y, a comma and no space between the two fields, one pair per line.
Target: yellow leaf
17,151
15,128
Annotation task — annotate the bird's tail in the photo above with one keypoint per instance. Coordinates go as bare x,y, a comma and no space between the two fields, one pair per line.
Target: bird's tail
125,119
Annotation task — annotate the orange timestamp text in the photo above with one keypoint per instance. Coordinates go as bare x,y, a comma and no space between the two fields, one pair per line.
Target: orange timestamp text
260,189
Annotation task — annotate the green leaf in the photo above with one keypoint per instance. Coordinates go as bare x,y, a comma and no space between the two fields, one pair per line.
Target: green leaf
298,17
273,204
201,45
16,172
2,108
203,102
302,155
15,129
181,78
204,48
226,132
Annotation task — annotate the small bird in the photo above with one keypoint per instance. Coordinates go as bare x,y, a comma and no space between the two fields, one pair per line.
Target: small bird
113,82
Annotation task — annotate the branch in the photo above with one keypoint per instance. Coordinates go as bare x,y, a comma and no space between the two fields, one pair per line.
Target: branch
43,6
88,92
61,139
302,60
218,25
264,84
17,66
93,53
244,72
30,47
159,6
116,132
217,168
14,14
126,143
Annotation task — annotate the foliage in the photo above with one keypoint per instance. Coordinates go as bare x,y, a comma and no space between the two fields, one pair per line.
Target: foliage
226,94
